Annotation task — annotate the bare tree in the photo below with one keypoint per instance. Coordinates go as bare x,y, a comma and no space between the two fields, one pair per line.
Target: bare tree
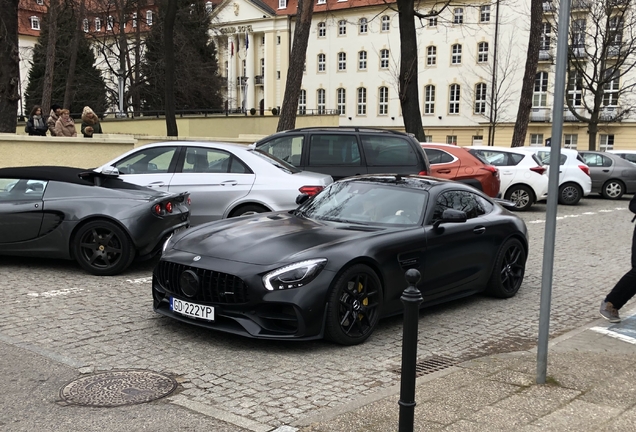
9,66
70,78
298,54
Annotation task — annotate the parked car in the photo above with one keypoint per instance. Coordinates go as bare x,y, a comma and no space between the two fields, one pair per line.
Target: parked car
612,176
348,151
99,221
524,179
574,176
335,265
629,155
457,163
224,180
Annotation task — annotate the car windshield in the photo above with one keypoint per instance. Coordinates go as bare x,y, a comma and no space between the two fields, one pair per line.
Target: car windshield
367,203
278,163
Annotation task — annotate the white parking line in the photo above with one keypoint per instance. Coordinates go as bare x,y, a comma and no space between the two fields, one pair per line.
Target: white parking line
619,336
143,280
605,211
55,293
576,215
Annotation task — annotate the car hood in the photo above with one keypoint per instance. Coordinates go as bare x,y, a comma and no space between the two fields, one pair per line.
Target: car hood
268,239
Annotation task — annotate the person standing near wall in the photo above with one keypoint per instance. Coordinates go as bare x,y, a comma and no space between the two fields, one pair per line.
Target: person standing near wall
90,123
53,118
35,124
65,126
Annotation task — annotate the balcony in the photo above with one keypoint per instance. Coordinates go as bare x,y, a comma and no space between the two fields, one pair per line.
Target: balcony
549,7
568,116
581,4
609,114
577,52
259,80
545,55
613,50
540,115
241,81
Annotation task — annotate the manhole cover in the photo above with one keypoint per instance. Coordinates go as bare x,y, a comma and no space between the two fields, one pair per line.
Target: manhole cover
116,388
430,365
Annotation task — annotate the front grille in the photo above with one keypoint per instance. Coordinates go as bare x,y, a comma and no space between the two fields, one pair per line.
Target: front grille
215,287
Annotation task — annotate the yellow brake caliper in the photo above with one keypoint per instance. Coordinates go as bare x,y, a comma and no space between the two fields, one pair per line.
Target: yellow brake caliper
365,301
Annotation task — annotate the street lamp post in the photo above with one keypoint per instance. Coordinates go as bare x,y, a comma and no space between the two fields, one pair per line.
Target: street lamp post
120,78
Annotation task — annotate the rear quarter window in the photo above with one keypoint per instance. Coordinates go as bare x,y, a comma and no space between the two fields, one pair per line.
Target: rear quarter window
388,151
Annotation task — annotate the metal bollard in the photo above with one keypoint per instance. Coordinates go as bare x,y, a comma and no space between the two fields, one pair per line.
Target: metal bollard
411,297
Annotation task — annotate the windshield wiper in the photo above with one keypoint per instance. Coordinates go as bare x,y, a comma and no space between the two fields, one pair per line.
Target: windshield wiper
349,221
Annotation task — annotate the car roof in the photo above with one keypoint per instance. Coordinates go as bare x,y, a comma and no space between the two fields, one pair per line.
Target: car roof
524,150
350,129
216,144
47,173
620,151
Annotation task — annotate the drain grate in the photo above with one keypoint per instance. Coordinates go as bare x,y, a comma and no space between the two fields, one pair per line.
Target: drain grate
431,364
117,388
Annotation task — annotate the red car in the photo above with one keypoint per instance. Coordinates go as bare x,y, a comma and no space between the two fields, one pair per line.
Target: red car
457,163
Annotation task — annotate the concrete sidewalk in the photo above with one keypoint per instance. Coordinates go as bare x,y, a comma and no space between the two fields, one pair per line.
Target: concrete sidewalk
591,387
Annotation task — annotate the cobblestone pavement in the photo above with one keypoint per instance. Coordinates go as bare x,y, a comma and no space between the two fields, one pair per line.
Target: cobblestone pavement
93,323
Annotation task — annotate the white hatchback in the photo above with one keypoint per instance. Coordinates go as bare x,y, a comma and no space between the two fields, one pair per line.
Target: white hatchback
522,175
574,175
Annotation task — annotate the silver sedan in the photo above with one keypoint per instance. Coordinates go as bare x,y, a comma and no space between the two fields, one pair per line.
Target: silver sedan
612,176
224,180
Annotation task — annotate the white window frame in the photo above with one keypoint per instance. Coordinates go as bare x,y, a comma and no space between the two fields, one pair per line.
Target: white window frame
302,102
322,62
341,99
322,29
429,99
263,67
606,142
454,96
322,1
149,17
383,98
432,22
575,89
342,28
362,60
134,19
578,33
86,25
35,23
431,55
451,139
456,54
342,61
458,16
40,2
540,91
386,23
481,91
282,4
482,52
361,94
570,141
363,26
321,98
428,138
209,7
536,140
98,24
484,13
110,22
384,58
611,88
546,38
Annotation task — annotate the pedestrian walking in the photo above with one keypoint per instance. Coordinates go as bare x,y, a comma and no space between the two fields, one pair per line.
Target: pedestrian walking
625,288
54,115
65,126
90,123
35,124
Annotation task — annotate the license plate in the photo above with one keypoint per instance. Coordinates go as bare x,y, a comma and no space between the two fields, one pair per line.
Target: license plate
192,310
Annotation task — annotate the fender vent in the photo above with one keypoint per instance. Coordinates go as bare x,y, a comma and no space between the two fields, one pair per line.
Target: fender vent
430,364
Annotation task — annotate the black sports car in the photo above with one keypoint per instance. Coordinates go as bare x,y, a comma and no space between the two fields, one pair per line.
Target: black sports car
335,265
97,219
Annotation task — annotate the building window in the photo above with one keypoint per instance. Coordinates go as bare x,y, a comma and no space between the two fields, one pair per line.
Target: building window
386,23
322,1
431,56
227,69
322,63
322,29
429,99
458,16
453,101
341,97
478,140
383,108
480,98
540,96
342,28
384,59
262,40
432,22
578,33
35,23
262,67
570,141
610,88
321,101
244,65
277,40
149,18
456,57
282,4
110,23
134,20
607,142
616,31
40,2
363,26
451,139
209,7
482,52
546,30
575,89
362,60
277,74
302,102
536,140
98,24
484,13
86,25
362,101
342,61
428,138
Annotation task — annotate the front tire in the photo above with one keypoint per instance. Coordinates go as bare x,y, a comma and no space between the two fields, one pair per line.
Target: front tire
248,209
354,305
522,196
102,248
508,271
570,194
613,189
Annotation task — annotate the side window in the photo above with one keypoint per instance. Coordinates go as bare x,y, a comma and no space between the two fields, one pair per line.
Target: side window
155,160
205,160
544,156
495,158
436,156
334,150
388,151
21,190
630,157
515,158
238,167
607,162
287,148
459,200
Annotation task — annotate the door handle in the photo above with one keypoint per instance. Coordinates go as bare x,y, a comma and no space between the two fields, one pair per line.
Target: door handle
229,183
156,184
479,230
444,171
606,170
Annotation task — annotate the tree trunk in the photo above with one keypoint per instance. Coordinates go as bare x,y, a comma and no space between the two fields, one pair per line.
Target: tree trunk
527,86
289,108
70,78
47,87
408,87
592,131
168,37
123,50
9,66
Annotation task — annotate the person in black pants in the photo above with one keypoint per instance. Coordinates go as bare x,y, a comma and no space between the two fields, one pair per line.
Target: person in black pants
625,288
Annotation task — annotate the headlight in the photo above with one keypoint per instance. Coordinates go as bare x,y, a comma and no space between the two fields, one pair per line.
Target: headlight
167,244
294,275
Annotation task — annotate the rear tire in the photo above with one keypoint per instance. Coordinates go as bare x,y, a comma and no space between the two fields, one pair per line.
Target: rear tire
570,194
102,248
248,209
522,196
613,189
508,271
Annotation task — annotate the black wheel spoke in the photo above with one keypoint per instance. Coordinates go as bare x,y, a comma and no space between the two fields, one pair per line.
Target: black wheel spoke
94,257
110,249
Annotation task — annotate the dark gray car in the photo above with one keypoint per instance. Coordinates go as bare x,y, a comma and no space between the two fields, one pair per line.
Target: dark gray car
612,176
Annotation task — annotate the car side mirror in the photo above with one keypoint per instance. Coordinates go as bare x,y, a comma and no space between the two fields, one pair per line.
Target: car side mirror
110,170
302,198
451,216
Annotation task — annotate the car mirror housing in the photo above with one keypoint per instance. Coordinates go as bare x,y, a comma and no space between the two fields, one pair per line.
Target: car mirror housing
302,198
110,170
451,216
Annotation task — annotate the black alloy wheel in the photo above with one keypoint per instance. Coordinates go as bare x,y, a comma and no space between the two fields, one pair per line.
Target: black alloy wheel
354,306
522,196
570,194
613,189
102,248
508,271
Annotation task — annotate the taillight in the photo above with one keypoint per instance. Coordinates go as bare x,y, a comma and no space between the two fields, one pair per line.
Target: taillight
538,169
311,190
492,169
423,173
585,169
157,209
189,201
169,207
